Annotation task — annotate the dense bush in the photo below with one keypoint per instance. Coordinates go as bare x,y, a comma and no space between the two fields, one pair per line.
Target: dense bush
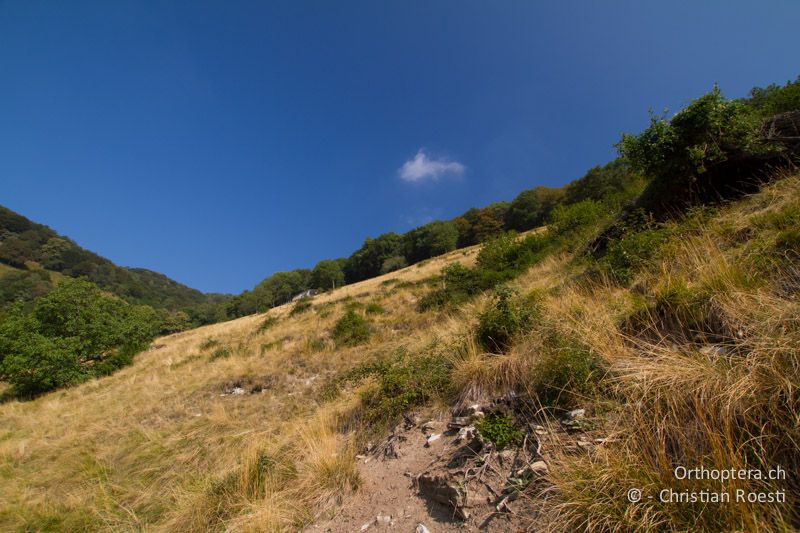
571,223
351,329
23,286
504,320
531,208
72,334
632,251
402,383
774,99
565,373
499,260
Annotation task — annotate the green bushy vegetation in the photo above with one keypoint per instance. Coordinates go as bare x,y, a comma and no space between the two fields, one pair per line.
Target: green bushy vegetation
566,372
402,382
72,334
504,320
267,323
374,308
352,329
301,307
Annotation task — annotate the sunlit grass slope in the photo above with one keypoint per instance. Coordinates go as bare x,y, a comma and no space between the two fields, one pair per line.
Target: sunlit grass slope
690,357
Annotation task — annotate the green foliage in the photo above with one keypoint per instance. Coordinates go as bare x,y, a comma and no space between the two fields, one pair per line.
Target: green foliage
576,221
301,306
390,264
72,334
267,323
374,308
23,286
774,99
403,382
677,153
612,183
352,329
367,261
478,225
222,352
430,240
24,244
500,429
277,289
531,208
565,373
504,320
633,251
500,260
328,274
174,321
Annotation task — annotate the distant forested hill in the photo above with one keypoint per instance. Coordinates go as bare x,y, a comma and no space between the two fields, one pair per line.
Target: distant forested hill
35,251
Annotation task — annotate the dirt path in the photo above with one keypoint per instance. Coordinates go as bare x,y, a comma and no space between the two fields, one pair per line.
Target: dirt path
389,499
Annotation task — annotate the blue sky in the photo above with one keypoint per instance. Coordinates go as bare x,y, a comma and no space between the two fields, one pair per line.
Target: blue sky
218,142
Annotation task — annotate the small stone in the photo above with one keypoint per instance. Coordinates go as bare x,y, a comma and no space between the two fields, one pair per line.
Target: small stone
458,422
383,519
539,468
576,414
466,434
366,526
421,529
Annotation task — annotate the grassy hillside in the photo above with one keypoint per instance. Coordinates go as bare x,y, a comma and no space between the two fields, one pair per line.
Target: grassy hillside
681,343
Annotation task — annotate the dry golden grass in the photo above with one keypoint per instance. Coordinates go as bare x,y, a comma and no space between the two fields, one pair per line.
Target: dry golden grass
700,362
161,445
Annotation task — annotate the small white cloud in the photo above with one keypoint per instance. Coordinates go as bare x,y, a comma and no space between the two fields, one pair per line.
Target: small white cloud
423,168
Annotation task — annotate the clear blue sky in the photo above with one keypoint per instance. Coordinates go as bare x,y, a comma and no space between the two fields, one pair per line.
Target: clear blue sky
218,142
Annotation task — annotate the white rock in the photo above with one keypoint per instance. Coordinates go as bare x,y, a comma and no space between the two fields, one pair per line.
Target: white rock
238,391
576,414
366,526
539,468
421,529
433,438
383,519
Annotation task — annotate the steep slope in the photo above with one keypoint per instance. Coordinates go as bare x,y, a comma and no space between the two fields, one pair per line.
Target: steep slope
678,347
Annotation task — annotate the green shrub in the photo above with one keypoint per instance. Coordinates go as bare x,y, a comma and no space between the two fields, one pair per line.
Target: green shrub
315,344
407,383
500,260
208,344
632,252
352,329
300,307
402,383
504,320
565,373
266,324
576,221
500,429
374,308
223,352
